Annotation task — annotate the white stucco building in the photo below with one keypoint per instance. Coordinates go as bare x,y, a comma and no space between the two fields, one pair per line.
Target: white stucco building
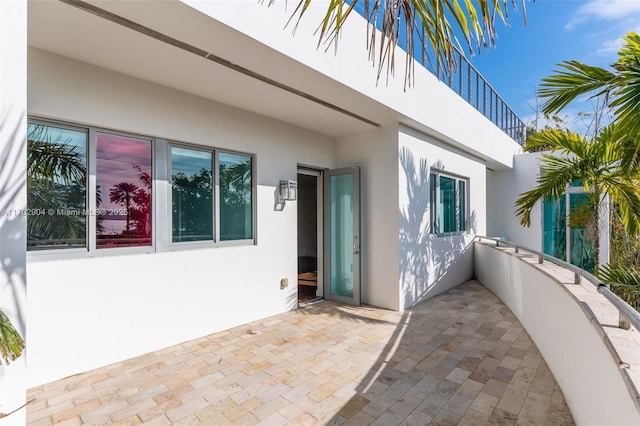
395,183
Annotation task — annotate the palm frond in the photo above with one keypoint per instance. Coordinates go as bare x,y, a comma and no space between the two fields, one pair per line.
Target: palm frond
398,20
572,80
11,343
623,280
558,172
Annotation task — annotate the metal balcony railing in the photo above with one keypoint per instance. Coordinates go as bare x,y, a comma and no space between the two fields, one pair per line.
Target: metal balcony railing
469,84
465,80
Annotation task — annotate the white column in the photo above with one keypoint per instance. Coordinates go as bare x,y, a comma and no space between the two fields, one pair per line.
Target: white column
13,225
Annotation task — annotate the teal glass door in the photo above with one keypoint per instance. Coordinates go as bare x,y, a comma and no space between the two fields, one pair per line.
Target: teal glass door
342,235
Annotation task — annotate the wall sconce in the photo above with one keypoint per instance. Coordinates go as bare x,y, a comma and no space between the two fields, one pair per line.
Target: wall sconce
287,190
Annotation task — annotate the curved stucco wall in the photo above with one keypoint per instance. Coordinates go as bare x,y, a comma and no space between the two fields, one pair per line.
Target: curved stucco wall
570,343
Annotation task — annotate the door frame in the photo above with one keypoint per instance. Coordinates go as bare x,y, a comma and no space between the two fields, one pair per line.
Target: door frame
319,174
356,299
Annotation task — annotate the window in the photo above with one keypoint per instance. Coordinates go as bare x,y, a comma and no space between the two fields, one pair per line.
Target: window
236,204
56,187
191,195
566,227
448,210
123,191
92,190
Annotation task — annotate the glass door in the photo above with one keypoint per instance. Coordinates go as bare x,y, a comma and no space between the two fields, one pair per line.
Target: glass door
342,235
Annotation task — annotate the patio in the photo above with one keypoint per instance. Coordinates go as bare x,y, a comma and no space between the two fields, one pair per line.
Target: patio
459,358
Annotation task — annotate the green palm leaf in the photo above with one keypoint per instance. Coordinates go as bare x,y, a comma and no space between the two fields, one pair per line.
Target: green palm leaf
11,344
620,87
438,20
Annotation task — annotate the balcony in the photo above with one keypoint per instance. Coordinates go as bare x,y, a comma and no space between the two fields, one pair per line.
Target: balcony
550,352
465,80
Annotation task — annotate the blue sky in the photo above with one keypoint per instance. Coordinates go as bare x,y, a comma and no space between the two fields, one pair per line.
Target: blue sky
589,31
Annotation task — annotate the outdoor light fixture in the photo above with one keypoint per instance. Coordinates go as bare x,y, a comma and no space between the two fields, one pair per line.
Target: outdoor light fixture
288,190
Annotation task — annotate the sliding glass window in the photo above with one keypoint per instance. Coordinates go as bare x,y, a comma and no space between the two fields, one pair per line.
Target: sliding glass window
123,191
56,187
191,195
236,196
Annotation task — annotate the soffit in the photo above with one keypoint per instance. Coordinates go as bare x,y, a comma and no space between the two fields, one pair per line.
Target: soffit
63,29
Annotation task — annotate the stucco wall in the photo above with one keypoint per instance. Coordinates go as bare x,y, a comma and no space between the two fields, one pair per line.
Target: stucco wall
431,264
582,365
506,186
13,104
376,153
87,312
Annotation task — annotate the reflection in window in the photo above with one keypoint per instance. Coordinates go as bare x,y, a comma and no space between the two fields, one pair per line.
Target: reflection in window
448,207
236,219
579,248
555,227
447,204
123,191
56,187
192,195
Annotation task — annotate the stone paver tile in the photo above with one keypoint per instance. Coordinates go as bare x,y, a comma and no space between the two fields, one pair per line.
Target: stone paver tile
49,410
512,400
474,418
323,391
276,419
304,419
494,387
501,417
158,421
187,409
485,403
103,411
353,406
432,404
458,375
416,418
388,418
239,410
447,418
292,411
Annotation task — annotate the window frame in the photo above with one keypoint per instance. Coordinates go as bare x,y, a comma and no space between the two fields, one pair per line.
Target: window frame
173,245
93,153
61,250
244,241
434,204
161,192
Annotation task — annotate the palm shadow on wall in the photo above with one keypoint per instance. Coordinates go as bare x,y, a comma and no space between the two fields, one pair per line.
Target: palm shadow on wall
425,260
13,226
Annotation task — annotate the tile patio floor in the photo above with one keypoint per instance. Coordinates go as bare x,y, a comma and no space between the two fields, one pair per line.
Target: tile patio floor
459,358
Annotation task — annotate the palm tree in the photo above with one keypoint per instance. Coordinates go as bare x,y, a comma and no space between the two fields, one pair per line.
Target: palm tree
123,193
620,88
435,24
596,162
